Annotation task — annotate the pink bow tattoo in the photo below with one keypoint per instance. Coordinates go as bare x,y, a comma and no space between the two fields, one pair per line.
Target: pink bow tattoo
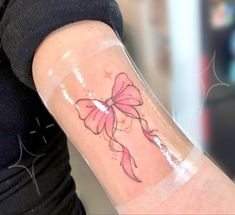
99,116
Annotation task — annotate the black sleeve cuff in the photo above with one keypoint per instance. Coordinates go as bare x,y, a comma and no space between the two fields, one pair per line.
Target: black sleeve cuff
26,23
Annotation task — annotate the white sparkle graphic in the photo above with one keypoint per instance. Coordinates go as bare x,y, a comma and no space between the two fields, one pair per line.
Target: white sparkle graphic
32,171
40,128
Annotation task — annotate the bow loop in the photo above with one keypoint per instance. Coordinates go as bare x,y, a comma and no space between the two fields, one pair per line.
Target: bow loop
125,93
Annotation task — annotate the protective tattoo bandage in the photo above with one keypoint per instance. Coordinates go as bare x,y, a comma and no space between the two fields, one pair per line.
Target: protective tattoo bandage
113,112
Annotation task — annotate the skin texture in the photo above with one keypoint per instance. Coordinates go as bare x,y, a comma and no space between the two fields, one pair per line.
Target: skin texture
121,150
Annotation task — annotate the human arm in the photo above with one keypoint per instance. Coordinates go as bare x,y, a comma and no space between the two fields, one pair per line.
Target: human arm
97,75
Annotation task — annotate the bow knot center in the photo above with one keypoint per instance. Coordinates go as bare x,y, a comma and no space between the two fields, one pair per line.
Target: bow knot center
110,102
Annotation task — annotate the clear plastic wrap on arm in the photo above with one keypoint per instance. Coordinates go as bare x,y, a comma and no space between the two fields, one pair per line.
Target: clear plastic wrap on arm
111,115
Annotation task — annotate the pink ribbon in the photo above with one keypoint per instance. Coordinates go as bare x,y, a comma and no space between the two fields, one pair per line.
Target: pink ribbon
100,116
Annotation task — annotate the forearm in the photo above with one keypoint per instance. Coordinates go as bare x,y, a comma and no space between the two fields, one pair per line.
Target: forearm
106,112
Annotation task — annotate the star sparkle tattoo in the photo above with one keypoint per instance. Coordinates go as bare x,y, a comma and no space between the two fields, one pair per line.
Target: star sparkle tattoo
101,116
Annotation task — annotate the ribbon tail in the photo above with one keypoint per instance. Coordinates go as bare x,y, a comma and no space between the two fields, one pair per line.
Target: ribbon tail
152,136
127,164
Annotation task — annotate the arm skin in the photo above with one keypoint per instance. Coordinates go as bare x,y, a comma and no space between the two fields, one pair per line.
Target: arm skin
209,191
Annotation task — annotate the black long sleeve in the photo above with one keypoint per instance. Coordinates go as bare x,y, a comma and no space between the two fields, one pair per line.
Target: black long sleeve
34,160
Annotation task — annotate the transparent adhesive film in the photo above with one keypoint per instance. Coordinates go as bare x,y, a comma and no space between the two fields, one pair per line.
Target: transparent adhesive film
110,115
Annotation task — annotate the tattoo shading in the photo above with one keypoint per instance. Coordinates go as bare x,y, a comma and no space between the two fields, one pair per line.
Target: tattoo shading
100,116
